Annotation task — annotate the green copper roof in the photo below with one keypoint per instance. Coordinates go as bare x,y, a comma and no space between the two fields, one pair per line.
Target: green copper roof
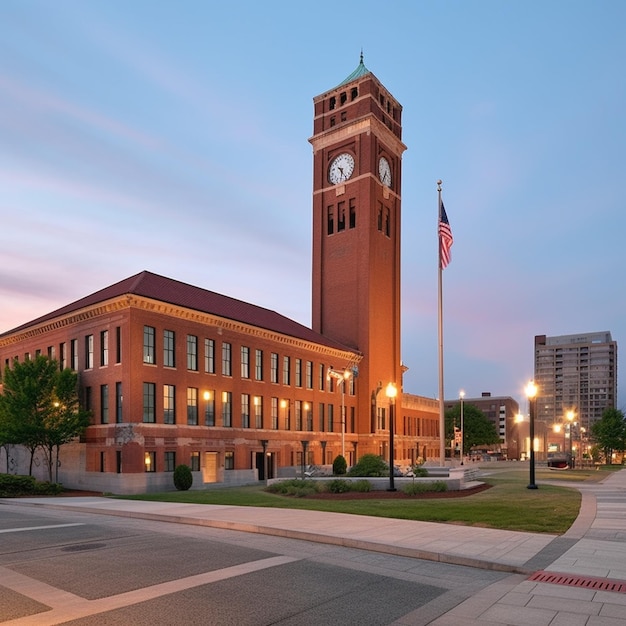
361,70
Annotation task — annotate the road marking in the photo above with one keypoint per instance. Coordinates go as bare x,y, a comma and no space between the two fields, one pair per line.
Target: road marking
19,530
68,606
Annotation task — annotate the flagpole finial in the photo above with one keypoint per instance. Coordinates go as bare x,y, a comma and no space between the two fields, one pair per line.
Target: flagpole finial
439,183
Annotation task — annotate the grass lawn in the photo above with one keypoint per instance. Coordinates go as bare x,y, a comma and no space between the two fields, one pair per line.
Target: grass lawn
508,504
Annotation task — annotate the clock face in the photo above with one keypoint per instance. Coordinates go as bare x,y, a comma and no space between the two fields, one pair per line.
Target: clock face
384,171
341,168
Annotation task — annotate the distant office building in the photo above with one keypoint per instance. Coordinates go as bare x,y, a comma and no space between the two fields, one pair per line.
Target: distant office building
501,411
575,373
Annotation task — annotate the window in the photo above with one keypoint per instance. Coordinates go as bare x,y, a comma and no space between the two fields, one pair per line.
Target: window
194,462
104,404
148,345
245,362
149,461
298,408
192,406
387,223
245,410
169,404
209,356
331,419
274,367
88,399
332,103
74,354
352,217
354,93
274,413
309,374
321,417
192,353
169,354
330,220
209,408
118,403
149,394
226,359
308,416
322,376
257,403
285,405
341,216
104,348
298,373
229,460
62,356
51,353
170,461
103,461
118,344
258,364
286,372
227,409
89,352
380,217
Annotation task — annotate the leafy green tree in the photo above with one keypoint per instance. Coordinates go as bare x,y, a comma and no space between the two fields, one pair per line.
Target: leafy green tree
610,433
477,429
39,407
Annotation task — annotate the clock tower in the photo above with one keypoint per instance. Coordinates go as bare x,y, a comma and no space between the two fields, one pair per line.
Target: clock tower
357,158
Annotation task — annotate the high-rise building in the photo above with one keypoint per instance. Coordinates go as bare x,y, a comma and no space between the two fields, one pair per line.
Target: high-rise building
575,373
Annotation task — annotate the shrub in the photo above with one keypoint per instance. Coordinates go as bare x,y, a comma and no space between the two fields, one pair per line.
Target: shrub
419,472
295,487
339,466
413,489
183,478
12,486
370,465
339,485
361,486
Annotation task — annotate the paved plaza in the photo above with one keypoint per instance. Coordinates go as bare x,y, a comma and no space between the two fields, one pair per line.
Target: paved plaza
578,578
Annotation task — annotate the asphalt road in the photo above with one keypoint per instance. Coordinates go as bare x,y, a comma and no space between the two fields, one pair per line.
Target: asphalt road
58,567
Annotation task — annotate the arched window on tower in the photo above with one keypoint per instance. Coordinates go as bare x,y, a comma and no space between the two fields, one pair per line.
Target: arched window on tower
380,217
330,221
387,223
354,93
352,218
332,103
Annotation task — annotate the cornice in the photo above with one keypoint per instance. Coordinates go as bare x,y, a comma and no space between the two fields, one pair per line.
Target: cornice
132,301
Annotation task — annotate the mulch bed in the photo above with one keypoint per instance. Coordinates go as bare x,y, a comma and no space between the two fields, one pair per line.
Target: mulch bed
398,495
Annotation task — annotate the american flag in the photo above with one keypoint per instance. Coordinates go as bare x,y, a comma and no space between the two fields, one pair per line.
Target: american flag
445,238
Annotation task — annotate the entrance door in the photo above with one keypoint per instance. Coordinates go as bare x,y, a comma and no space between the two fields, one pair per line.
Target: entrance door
264,464
209,471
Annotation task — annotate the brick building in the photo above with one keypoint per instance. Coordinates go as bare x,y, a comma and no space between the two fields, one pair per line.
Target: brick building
174,373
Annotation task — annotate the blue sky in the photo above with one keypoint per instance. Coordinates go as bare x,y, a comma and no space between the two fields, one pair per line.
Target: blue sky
173,137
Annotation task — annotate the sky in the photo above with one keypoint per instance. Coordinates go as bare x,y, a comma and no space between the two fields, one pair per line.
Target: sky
173,137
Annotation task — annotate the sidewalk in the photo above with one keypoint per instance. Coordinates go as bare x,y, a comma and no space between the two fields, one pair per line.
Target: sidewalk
576,578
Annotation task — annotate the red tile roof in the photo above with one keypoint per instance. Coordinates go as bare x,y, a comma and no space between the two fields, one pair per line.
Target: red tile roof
174,292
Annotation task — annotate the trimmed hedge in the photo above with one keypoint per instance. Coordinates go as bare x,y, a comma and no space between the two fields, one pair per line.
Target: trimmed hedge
183,478
14,486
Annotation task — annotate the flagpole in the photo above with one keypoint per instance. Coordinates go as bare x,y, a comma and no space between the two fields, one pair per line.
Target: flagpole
442,421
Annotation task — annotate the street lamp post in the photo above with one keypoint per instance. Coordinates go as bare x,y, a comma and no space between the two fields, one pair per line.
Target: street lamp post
531,392
391,393
570,418
462,395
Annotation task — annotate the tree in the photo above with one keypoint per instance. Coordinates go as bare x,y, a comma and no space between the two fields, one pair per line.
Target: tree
477,429
610,433
39,407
